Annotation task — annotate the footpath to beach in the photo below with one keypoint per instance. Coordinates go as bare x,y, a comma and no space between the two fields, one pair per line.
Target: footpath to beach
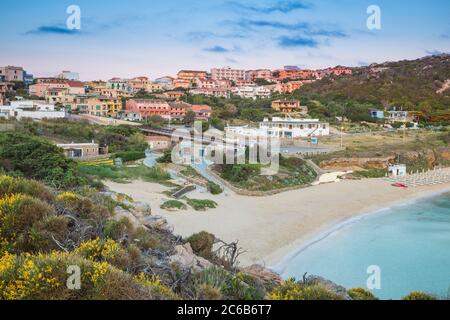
271,227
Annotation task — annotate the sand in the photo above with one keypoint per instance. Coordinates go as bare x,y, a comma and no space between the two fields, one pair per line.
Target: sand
271,227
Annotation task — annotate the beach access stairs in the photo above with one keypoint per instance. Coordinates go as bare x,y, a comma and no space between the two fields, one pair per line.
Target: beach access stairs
185,190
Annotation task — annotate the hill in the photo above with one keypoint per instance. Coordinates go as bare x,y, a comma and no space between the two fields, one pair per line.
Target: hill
419,85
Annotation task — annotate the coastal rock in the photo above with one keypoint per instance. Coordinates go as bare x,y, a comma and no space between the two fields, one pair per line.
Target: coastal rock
185,258
265,275
141,209
121,213
329,285
156,222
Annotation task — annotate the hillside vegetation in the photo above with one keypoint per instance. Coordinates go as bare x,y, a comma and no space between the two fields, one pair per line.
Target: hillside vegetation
416,85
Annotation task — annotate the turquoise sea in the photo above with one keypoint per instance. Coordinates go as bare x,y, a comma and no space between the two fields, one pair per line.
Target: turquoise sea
410,243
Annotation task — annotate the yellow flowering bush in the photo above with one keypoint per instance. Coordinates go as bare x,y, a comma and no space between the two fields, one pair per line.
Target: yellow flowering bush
45,276
26,224
292,290
158,289
83,207
101,250
11,185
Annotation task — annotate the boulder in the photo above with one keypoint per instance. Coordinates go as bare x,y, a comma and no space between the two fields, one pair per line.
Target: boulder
120,213
268,277
156,222
185,258
141,209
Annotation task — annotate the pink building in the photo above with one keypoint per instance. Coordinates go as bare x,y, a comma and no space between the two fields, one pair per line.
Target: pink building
253,75
148,107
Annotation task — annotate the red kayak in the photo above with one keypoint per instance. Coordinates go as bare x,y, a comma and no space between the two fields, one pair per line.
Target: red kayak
400,185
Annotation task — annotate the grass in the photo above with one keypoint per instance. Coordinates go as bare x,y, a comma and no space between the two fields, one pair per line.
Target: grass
201,205
173,204
373,173
214,188
127,174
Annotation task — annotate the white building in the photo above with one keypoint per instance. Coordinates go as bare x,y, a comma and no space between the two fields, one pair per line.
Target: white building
251,92
227,74
33,109
295,128
397,170
67,75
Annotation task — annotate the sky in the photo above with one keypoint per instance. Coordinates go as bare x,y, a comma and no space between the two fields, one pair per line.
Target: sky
156,38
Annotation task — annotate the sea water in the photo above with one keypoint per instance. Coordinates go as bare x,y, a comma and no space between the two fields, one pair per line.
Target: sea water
410,244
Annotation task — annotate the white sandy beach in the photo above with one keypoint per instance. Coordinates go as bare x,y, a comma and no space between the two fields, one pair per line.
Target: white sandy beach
269,228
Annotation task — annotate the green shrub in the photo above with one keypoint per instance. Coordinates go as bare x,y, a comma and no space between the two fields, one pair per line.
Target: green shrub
166,157
128,156
292,290
10,185
202,243
173,204
83,207
361,294
214,188
201,205
417,295
38,159
28,224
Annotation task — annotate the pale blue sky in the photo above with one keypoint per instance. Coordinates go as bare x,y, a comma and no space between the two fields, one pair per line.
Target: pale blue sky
156,38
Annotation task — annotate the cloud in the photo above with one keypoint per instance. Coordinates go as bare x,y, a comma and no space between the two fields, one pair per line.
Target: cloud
54,29
436,52
307,28
291,42
279,6
216,49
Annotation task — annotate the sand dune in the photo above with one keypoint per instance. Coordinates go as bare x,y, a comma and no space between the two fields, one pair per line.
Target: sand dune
269,228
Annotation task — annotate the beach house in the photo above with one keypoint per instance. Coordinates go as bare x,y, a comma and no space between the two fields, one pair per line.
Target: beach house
295,128
83,150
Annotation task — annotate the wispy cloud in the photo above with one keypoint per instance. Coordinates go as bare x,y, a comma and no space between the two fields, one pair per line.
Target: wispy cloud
216,49
291,42
53,29
279,6
436,52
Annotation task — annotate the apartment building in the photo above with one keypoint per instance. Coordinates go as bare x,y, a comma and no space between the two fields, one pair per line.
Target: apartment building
191,75
139,84
253,75
227,74
251,92
168,110
68,75
44,84
11,74
294,128
219,93
286,106
285,74
119,84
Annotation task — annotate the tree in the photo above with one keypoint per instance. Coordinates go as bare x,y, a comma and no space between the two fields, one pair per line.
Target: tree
189,118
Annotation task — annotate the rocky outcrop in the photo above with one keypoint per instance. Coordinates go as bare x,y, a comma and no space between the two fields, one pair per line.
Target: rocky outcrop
267,277
185,258
156,222
357,164
428,155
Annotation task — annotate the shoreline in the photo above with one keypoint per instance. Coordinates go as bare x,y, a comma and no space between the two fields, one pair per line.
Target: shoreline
281,265
274,228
